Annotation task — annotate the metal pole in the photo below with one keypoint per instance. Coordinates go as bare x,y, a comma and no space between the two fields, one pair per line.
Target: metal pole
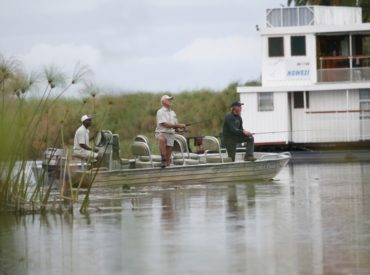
351,71
348,120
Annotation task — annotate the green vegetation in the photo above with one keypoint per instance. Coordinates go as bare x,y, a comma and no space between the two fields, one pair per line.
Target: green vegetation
21,123
129,115
30,124
132,114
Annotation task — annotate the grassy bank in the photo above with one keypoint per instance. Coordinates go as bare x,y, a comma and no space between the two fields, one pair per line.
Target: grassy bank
132,114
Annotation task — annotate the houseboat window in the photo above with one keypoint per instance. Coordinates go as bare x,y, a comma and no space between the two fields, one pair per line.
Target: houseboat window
361,56
361,49
307,99
299,16
265,102
333,51
298,45
276,46
298,100
365,105
364,94
365,108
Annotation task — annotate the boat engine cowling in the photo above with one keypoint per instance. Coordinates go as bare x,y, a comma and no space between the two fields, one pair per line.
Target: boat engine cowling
109,148
53,157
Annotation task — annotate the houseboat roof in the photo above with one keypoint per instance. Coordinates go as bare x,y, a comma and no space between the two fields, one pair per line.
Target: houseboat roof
314,19
360,28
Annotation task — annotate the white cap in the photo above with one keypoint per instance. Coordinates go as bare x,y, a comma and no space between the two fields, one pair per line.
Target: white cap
164,97
85,117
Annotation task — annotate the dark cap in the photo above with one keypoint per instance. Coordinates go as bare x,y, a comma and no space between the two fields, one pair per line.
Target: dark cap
236,103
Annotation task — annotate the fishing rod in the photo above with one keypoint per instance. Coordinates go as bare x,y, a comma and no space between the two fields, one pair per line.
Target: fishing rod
197,122
276,132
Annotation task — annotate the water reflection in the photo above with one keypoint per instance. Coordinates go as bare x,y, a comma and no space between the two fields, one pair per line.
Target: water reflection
313,219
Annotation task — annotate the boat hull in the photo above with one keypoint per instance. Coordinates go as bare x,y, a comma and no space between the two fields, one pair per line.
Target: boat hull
263,169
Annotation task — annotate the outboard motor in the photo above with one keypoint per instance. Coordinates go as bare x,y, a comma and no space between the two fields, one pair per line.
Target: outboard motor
108,145
53,157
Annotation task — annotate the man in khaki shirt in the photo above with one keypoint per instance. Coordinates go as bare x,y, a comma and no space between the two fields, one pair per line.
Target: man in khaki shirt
166,126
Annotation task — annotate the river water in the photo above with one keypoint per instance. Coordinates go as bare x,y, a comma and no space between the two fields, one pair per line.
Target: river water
312,219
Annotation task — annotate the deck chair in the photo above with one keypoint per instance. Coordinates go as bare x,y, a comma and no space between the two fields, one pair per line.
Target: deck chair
141,149
211,144
185,147
181,154
142,138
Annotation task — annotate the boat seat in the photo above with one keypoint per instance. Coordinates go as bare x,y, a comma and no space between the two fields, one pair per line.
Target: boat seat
181,156
143,138
211,144
185,147
141,149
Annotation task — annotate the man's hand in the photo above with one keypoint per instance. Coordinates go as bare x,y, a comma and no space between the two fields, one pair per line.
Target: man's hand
181,126
247,133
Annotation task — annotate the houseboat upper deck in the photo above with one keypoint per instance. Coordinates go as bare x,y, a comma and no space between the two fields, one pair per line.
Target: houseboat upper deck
315,78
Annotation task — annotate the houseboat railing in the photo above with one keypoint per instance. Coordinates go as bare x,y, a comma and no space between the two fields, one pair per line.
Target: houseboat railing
289,17
344,68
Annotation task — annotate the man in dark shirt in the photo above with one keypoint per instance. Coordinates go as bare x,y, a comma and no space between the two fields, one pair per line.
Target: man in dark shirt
233,133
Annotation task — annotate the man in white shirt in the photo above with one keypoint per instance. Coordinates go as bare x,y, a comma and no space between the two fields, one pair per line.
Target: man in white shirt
81,147
166,126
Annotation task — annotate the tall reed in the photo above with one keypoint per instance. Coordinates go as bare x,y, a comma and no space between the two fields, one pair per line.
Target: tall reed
20,123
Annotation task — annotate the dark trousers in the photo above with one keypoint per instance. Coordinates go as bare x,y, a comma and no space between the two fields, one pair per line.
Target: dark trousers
230,146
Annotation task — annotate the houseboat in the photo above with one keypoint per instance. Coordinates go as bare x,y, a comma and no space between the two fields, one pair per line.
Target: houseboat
315,80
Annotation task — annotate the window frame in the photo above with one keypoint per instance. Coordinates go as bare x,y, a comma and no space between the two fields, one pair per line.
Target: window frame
364,98
305,102
261,102
297,53
274,51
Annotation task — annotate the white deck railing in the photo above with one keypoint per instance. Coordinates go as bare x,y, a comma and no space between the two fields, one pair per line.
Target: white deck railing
344,74
344,68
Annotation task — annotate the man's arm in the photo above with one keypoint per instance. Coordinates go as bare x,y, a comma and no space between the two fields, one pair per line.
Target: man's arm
173,126
230,123
163,121
83,140
84,146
